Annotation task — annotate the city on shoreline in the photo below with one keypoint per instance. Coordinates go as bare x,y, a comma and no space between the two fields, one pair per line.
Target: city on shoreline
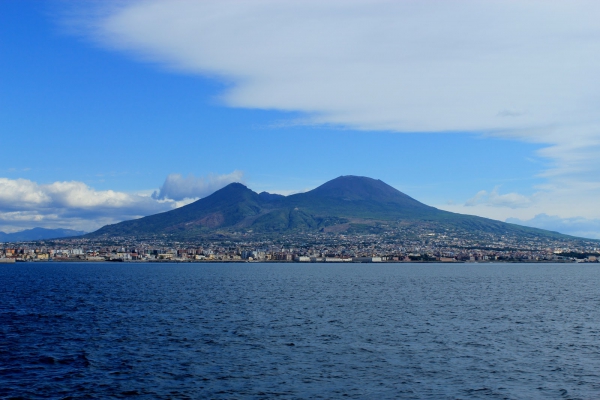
424,246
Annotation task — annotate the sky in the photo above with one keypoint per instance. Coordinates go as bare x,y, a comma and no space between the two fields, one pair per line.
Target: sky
114,110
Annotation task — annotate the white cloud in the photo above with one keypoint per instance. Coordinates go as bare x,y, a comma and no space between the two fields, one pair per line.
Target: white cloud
402,66
26,204
577,226
23,194
178,188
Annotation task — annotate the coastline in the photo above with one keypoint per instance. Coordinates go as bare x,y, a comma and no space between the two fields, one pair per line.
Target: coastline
17,261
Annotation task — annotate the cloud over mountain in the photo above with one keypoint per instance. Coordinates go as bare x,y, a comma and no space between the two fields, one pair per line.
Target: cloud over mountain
524,70
177,187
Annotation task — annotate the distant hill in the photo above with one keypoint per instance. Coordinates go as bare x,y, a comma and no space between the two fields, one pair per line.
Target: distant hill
38,234
349,204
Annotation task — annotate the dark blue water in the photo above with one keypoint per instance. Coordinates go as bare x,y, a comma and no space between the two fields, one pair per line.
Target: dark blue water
299,331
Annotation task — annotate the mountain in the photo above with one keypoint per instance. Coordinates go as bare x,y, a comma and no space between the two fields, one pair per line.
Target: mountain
348,204
38,234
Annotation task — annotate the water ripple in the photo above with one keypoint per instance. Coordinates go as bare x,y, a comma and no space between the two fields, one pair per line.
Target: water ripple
299,331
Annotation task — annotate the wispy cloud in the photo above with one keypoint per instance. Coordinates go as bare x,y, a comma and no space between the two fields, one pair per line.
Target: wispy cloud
495,199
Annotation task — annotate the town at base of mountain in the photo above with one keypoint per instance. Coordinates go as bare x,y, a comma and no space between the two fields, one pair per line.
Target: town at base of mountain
348,219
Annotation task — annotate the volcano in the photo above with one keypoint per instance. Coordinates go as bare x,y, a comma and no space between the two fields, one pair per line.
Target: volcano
351,204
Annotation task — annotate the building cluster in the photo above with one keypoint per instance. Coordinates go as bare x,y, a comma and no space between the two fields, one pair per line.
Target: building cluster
391,246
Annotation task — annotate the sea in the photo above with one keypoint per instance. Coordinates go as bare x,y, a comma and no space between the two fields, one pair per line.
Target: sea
299,331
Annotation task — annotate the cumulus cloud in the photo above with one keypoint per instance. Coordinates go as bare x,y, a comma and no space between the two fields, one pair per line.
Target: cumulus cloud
26,204
23,194
177,187
576,226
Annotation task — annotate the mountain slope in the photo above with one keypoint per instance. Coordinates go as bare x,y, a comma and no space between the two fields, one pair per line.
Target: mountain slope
225,207
347,203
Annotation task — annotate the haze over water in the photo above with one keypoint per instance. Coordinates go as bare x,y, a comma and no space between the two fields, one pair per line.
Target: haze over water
300,331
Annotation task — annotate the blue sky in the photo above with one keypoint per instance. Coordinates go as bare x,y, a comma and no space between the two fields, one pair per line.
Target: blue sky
98,110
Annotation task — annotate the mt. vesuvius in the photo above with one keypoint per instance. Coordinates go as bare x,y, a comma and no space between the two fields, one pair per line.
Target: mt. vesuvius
348,204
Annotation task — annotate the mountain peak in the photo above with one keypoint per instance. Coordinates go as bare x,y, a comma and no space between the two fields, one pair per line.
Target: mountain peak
353,188
233,192
235,186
